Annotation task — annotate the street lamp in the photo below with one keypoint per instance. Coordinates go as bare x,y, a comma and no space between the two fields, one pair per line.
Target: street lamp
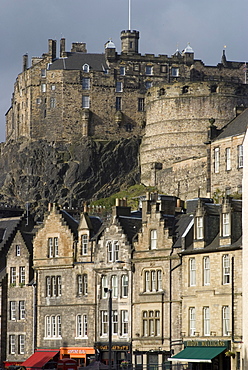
106,290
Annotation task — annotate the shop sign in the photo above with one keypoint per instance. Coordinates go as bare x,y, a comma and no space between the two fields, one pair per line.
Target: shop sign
206,343
113,348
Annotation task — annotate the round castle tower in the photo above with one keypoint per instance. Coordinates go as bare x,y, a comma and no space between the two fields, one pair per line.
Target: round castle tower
178,120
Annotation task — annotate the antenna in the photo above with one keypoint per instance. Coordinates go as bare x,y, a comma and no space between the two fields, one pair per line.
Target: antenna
129,15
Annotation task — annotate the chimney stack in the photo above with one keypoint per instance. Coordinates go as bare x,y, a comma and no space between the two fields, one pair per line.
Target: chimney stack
62,48
24,62
52,49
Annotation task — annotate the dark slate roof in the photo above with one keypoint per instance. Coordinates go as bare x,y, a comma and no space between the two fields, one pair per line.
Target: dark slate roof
130,225
71,222
96,224
75,61
191,204
236,127
8,226
183,222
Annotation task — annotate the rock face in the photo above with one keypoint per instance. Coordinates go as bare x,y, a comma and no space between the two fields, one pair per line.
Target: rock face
39,172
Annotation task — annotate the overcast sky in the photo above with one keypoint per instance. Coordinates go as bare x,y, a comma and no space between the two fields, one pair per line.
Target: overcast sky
164,25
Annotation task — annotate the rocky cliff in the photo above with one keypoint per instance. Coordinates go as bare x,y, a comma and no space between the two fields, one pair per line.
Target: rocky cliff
38,172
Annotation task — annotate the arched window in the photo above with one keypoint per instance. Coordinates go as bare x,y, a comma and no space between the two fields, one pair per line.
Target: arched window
86,68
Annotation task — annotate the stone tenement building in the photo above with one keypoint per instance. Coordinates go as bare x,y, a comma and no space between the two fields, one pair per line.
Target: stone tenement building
102,95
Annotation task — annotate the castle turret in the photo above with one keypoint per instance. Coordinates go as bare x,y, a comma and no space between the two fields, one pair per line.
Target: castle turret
110,50
130,42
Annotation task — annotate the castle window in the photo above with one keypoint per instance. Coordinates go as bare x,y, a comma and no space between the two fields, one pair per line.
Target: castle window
136,67
163,68
18,250
225,320
118,103
206,270
86,83
226,269
192,272
43,72
21,310
43,88
228,159
149,70
141,104
86,101
38,101
86,68
213,89
53,87
175,72
216,160
122,70
226,224
185,89
153,239
119,86
206,321
21,344
148,84
240,156
52,103
192,326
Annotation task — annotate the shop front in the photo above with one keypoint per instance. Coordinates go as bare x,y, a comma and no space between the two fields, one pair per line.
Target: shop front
121,354
204,355
83,355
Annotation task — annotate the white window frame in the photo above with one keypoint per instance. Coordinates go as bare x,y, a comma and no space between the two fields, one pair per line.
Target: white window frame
21,344
147,281
115,322
199,228
22,275
226,227
43,87
240,156
13,275
153,281
59,285
13,310
50,247
104,286
104,323
48,286
124,286
12,345
122,70
85,284
192,322
225,320
206,270
114,285
159,280
228,159
124,322
52,102
53,326
113,250
56,246
192,271
81,326
145,324
175,71
149,70
53,286
86,68
84,244
157,323
226,267
217,160
153,239
18,250
22,312
80,285
206,321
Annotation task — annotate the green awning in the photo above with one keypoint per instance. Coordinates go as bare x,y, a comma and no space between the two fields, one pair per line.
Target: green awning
197,354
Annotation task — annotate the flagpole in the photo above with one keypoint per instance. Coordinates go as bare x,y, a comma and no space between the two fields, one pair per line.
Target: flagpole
129,15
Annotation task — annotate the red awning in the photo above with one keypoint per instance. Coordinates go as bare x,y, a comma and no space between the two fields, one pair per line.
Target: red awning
39,359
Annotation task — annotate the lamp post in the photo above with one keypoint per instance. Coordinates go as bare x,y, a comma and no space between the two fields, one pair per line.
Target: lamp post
110,326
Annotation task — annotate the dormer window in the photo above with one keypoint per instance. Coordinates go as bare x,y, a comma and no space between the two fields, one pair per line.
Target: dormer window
199,227
86,68
226,224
